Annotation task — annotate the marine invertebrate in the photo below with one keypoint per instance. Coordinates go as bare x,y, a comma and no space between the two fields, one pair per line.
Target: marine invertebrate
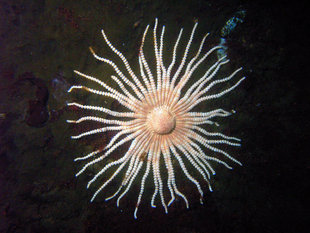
159,122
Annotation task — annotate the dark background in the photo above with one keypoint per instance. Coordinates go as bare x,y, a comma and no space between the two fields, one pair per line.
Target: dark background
41,42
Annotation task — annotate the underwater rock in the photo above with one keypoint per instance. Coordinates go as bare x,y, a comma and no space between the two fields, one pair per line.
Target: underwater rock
37,112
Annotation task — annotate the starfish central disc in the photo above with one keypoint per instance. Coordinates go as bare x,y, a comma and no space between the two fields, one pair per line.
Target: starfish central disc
161,120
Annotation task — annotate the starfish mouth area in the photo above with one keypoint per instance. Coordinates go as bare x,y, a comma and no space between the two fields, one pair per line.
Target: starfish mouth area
161,121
